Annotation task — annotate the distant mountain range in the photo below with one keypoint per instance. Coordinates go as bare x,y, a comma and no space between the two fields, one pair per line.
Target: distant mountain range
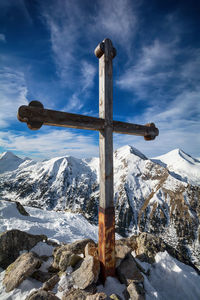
159,195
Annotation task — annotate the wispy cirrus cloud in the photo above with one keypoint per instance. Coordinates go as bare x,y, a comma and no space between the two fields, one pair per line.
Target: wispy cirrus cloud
73,104
50,143
178,123
117,20
153,69
66,22
13,92
76,102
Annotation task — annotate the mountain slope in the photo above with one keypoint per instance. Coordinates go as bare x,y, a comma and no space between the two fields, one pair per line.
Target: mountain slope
148,196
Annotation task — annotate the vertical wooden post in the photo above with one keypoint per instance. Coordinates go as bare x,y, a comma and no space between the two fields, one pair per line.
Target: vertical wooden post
105,52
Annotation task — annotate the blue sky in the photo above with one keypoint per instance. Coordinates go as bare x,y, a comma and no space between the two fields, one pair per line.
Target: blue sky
47,54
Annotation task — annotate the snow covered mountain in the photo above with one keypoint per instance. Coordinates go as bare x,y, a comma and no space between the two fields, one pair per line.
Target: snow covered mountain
160,196
9,162
182,165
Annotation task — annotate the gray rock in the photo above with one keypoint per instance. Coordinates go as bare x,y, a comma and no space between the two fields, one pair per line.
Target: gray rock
128,271
13,241
18,271
132,242
121,249
78,247
147,247
21,209
41,276
49,284
67,259
67,255
75,294
87,274
136,291
42,295
98,296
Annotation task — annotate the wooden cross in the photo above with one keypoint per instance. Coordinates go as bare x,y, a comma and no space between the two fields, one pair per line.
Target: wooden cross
35,116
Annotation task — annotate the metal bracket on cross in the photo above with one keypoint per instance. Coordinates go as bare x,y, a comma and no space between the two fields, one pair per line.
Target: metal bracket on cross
35,116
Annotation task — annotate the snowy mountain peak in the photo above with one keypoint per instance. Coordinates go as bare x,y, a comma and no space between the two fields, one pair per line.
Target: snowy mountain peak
127,150
8,155
180,163
9,162
180,155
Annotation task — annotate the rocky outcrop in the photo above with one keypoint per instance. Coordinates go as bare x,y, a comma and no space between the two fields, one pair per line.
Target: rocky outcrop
75,294
128,271
49,284
68,255
42,295
98,296
135,291
81,280
148,245
21,209
88,272
13,241
18,271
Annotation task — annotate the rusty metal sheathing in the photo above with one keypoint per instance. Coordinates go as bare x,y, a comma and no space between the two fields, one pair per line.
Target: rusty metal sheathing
106,246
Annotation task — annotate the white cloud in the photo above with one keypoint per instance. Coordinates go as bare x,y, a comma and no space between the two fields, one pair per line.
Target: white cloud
74,104
153,68
77,100
65,22
74,28
88,72
117,20
50,143
13,93
178,123
186,138
2,38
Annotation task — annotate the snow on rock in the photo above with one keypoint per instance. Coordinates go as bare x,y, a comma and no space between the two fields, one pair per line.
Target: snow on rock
21,292
42,248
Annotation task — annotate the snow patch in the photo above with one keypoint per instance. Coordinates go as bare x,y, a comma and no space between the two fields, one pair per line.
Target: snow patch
171,279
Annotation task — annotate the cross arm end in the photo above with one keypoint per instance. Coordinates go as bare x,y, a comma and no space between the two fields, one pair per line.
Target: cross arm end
152,132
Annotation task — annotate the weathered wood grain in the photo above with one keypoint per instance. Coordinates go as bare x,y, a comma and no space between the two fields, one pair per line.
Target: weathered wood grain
59,118
106,229
64,119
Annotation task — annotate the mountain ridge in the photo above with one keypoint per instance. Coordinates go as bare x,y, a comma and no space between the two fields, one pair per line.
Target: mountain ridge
148,196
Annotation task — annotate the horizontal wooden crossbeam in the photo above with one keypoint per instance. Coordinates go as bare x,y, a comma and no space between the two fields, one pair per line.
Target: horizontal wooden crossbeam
36,116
